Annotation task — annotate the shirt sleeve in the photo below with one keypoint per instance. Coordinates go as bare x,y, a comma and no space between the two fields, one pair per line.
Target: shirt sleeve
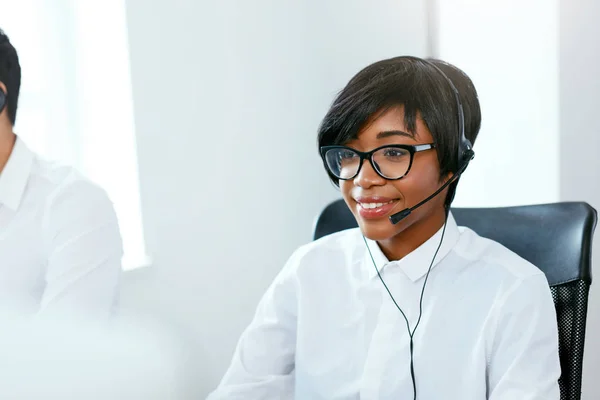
84,251
524,361
263,362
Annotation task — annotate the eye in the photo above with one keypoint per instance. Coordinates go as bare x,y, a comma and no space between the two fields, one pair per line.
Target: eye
393,154
346,155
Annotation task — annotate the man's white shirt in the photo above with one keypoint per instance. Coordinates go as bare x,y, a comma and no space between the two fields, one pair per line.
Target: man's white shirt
327,329
60,245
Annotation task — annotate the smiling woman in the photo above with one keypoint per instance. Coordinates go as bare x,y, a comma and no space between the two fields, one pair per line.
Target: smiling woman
414,109
368,188
408,266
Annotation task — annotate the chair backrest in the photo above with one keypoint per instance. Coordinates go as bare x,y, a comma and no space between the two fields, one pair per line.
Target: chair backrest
557,238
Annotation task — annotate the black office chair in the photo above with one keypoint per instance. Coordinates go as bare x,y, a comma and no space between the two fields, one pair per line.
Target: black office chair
557,238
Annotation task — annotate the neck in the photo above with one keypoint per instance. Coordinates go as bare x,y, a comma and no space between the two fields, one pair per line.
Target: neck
414,235
7,143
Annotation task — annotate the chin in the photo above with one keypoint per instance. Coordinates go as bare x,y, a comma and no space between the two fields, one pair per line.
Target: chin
377,230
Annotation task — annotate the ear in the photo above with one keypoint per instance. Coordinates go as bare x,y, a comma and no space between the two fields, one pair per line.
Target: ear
446,178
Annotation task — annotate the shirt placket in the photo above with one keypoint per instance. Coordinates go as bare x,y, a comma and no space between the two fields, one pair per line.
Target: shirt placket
388,357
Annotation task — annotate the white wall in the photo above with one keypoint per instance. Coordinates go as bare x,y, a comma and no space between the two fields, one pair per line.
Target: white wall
227,97
509,48
580,145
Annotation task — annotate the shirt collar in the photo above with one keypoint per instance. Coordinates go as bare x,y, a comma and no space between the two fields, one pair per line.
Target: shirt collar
415,264
14,176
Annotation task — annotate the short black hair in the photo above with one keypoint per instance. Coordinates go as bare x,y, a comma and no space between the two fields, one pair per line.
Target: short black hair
10,75
415,84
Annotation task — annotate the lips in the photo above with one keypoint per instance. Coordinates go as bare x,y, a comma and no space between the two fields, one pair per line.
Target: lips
375,206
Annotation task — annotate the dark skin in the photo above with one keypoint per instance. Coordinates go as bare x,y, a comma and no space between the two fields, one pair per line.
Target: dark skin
396,241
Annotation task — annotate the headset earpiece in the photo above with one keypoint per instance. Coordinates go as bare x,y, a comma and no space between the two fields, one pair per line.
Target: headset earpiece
465,147
2,100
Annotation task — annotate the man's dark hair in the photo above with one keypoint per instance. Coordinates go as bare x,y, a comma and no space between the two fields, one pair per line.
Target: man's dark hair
10,75
420,88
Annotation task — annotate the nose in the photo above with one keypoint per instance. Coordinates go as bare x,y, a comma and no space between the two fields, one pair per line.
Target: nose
368,177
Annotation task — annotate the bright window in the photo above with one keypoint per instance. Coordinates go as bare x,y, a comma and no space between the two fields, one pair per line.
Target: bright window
76,102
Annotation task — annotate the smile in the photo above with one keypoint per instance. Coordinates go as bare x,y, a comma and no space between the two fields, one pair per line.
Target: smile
375,208
372,206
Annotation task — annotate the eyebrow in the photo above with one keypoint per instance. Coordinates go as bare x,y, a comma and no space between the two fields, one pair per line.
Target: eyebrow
386,134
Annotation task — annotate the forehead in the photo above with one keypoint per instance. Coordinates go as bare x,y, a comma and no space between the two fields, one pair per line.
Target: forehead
390,119
390,126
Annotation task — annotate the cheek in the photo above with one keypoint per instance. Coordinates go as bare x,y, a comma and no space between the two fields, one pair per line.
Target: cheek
417,186
346,189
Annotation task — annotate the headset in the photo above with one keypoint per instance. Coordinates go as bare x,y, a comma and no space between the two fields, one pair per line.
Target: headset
2,100
465,155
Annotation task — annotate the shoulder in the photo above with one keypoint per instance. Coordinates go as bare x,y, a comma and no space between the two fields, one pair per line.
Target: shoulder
500,271
494,257
70,200
502,282
337,244
63,187
330,255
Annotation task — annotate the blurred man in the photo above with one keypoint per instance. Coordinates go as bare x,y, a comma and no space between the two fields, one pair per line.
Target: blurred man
60,246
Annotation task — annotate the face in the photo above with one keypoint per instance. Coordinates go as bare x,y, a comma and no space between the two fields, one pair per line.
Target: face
372,199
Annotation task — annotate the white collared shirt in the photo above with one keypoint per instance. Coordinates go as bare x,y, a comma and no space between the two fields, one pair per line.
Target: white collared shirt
326,329
60,246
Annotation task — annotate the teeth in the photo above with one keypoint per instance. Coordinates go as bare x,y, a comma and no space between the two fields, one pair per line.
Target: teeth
374,205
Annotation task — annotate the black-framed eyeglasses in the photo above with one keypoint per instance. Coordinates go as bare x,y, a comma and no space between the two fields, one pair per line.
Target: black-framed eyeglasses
390,162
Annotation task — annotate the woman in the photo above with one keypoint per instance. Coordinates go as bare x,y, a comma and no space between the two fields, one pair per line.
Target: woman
408,305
